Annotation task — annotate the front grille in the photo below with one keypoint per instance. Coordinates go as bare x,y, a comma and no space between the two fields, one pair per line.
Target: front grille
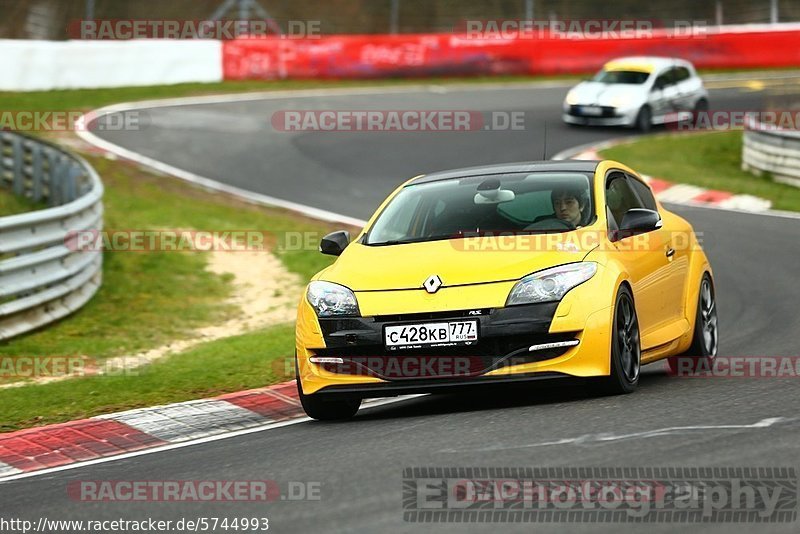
402,317
441,362
607,112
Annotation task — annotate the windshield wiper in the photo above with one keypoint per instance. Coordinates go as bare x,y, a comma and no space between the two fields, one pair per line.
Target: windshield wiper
412,240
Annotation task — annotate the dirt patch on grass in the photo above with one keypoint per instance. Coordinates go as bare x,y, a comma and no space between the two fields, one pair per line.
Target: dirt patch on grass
264,292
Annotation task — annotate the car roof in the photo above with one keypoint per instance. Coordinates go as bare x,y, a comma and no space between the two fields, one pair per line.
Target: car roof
644,63
506,168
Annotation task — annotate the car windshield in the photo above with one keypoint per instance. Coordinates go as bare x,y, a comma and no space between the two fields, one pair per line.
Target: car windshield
489,204
632,77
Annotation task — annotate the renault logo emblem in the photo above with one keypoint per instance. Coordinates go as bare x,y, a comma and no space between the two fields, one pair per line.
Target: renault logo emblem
432,283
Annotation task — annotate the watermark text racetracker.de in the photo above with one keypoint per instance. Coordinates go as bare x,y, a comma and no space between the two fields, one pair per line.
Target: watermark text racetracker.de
72,120
737,367
265,490
170,240
714,120
397,120
600,494
36,367
126,29
523,29
534,241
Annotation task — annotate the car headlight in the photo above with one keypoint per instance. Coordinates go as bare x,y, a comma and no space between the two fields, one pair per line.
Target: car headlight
330,300
550,285
572,97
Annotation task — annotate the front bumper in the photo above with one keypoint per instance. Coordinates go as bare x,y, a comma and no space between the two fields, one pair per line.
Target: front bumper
356,361
610,116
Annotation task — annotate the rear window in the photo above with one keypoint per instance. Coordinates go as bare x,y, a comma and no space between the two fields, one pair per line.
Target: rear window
518,202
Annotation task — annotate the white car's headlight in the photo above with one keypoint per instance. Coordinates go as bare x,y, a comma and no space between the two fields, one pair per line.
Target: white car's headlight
572,97
330,300
552,284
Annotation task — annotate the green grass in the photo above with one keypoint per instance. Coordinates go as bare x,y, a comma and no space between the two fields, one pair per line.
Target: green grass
710,160
11,204
233,364
150,298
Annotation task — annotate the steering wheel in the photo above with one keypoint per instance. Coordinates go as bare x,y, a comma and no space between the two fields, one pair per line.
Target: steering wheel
547,224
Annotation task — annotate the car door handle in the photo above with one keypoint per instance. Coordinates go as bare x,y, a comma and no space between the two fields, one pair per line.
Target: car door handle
670,252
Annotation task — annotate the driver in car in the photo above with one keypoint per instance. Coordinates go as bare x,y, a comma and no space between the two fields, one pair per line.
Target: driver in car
569,206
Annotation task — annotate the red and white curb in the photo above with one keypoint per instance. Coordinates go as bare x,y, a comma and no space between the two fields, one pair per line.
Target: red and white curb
688,194
134,430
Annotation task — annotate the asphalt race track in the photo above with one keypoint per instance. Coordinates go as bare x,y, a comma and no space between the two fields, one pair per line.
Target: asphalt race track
669,422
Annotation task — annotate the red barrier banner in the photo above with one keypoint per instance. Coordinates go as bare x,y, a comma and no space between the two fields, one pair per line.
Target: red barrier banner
409,55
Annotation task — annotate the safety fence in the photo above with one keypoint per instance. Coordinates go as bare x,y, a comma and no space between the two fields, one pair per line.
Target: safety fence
774,151
42,278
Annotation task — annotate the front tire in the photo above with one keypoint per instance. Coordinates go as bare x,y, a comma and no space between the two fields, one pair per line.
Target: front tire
324,407
705,338
626,348
644,119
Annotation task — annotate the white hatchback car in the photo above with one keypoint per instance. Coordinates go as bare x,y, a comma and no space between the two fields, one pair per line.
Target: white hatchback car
637,92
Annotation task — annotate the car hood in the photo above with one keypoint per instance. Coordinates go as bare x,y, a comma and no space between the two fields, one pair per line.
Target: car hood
603,94
473,260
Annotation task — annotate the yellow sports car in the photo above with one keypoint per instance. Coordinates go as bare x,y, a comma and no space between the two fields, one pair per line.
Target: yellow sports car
503,274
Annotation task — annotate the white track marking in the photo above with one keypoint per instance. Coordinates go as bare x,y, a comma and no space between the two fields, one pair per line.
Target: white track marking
185,421
208,439
679,193
7,470
608,437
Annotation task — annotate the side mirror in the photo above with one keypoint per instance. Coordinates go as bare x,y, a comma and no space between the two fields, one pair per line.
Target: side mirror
639,221
335,243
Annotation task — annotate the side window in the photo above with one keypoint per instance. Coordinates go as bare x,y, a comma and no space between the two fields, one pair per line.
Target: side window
401,221
665,79
620,198
644,193
681,74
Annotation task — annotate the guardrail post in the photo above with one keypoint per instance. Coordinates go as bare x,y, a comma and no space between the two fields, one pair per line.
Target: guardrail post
18,182
36,173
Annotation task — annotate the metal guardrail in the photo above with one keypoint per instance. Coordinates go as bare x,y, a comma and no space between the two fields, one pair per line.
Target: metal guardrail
772,150
41,278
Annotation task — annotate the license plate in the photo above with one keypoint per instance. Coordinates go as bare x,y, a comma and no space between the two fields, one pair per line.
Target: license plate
448,333
591,110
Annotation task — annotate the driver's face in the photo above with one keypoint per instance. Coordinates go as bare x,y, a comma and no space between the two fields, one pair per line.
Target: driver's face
568,209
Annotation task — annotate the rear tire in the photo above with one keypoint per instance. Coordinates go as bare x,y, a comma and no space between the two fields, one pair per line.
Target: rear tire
626,349
705,338
325,407
701,106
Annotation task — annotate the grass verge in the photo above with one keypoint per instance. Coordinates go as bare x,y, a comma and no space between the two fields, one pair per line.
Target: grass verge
151,298
11,204
710,160
232,364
